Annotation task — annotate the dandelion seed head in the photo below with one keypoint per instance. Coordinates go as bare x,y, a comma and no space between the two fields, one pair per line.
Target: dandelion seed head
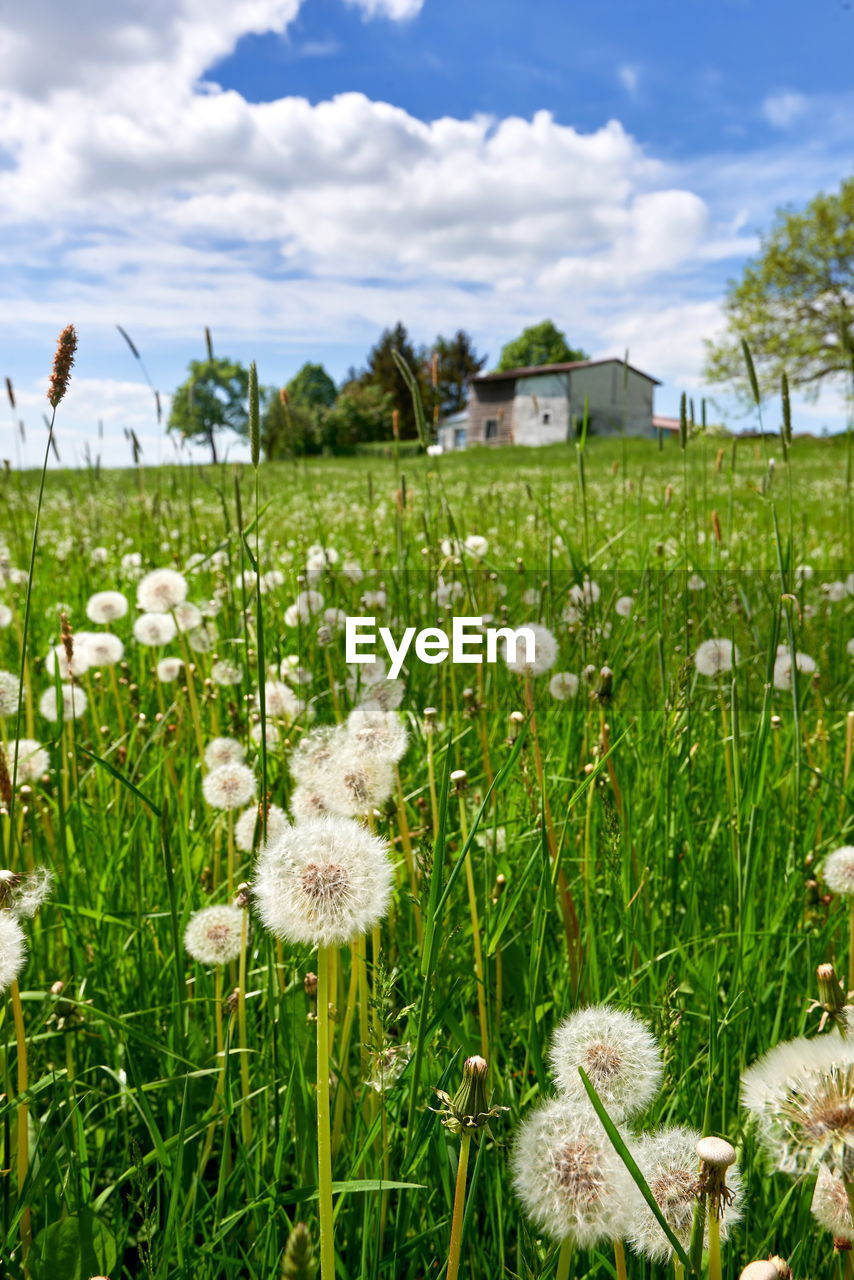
314,751
271,734
830,1206
229,786
623,606
248,829
13,949
839,871
381,734
5,616
544,656
99,648
154,629
323,882
384,697
213,935
188,616
225,673
306,802
161,591
24,894
33,759
563,686
106,606
280,701
70,705
58,660
221,751
8,693
617,1051
569,1178
782,676
169,669
715,656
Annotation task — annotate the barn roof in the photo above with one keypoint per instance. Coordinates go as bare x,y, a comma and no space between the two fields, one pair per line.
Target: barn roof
530,371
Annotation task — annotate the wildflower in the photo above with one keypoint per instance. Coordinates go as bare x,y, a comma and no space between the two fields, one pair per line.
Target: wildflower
99,648
24,894
229,786
201,640
249,823
839,871
73,700
323,882
5,616
271,734
383,697
13,949
380,734
831,1208
106,606
668,1162
213,935
469,1108
226,673
8,693
696,583
715,656
155,629
33,760
762,1269
624,606
617,1051
544,657
58,659
569,1177
802,1095
280,701
585,594
169,669
803,663
188,616
314,751
353,787
221,751
388,1065
161,590
307,802
563,686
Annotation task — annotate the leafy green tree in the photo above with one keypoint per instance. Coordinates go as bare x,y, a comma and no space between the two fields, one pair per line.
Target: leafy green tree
289,430
457,363
312,387
382,372
212,399
540,343
361,413
794,304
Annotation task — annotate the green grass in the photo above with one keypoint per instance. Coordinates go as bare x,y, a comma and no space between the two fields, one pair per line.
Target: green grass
692,854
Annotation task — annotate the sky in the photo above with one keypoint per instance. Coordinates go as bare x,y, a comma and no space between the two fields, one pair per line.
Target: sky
299,174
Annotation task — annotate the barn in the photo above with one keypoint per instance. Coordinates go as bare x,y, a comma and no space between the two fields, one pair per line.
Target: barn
546,404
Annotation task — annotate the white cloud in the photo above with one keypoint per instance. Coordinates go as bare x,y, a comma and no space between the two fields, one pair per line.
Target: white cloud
783,109
399,10
629,78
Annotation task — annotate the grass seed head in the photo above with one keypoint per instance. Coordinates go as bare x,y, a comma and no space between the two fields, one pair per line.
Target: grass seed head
63,362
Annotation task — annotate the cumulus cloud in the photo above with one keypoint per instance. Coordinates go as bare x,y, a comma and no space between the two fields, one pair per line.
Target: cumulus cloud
397,9
783,109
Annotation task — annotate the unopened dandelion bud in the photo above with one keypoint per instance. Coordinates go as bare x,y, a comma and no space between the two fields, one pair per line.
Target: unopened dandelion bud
63,361
781,1266
517,719
309,983
605,685
776,722
716,1155
429,715
459,780
57,988
470,1107
830,994
298,1262
324,636
589,672
760,1271
498,888
233,1000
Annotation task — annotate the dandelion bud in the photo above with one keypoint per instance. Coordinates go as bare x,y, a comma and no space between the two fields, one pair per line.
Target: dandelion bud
309,983
57,988
298,1262
776,722
63,361
459,779
781,1266
716,1155
498,888
589,672
469,1108
429,715
605,686
760,1271
831,997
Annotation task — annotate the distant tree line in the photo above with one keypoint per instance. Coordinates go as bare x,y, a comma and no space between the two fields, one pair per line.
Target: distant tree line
310,414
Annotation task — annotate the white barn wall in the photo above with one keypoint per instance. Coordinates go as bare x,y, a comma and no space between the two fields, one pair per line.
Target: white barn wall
537,397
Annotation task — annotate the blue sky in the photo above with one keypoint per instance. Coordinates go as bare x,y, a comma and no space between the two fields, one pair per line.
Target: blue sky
296,174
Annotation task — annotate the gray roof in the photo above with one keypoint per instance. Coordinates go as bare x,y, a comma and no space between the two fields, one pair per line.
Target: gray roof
530,371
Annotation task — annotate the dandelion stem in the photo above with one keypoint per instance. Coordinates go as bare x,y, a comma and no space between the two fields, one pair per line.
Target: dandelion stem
564,1260
715,1272
23,1110
476,938
620,1260
851,945
678,1269
459,1205
324,1148
245,1114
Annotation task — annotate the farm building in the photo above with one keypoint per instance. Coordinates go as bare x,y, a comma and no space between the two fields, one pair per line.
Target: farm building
545,404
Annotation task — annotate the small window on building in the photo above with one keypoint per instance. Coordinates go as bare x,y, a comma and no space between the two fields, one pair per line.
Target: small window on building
460,438
490,429
547,417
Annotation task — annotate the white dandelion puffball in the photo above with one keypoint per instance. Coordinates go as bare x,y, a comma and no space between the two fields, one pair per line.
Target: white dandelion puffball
314,751
617,1051
802,1095
23,895
106,606
57,659
563,686
839,871
353,785
187,616
569,1178
5,616
668,1162
281,703
169,669
715,656
8,693
223,751
307,802
229,786
830,1206
623,606
33,760
324,882
476,545
100,648
377,733
154,629
13,949
804,664
213,935
202,640
383,697
71,705
226,673
585,593
248,829
271,734
544,656
161,591
696,583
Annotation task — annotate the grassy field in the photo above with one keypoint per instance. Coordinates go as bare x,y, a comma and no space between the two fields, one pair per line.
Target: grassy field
654,842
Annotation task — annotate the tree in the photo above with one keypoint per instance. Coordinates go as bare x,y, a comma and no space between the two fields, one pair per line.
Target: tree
293,420
362,412
211,399
457,363
312,388
794,304
540,343
382,372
